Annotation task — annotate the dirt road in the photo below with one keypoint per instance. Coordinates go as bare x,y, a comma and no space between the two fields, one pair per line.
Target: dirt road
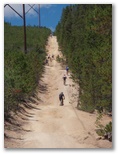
49,125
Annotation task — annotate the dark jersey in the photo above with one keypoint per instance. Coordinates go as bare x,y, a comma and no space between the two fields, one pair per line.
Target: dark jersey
61,95
67,68
64,77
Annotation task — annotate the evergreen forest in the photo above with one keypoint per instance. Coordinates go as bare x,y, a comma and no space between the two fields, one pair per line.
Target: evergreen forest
22,71
84,34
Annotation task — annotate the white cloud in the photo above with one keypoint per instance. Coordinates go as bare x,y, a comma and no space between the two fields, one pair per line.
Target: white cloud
8,12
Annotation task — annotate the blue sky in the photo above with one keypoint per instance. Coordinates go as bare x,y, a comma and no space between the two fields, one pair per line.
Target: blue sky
50,15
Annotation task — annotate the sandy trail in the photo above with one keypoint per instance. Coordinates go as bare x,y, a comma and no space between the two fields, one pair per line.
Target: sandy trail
53,126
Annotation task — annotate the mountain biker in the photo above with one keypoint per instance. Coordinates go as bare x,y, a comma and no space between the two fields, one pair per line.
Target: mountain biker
52,56
46,61
61,98
67,69
64,79
48,56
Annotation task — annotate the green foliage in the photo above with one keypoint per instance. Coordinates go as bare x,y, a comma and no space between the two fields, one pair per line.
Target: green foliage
85,36
104,131
22,71
108,128
58,59
61,60
98,121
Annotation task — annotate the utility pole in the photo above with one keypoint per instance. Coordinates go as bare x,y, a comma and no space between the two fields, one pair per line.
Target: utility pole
39,16
24,23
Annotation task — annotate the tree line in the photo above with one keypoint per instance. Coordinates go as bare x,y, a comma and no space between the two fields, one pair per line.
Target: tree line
84,34
22,71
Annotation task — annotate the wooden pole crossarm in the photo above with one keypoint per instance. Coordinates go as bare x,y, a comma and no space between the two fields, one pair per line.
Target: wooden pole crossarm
14,10
33,8
5,5
29,9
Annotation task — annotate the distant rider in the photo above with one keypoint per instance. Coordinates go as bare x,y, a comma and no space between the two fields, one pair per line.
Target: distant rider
48,56
64,79
46,61
52,56
67,69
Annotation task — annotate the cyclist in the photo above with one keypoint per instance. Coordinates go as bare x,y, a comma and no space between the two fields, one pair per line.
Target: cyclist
67,69
64,79
61,98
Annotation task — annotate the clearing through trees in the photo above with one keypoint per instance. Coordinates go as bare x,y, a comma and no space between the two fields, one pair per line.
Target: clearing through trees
49,125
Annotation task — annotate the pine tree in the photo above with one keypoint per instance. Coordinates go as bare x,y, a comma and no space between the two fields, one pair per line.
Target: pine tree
85,36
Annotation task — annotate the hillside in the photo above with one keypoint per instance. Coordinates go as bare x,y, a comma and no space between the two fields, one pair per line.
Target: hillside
43,123
22,71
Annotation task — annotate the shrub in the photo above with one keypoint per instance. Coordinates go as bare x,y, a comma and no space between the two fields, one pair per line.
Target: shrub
22,71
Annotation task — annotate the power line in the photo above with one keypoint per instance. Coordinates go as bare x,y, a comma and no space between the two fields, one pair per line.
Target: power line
24,20
14,10
33,8
29,9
